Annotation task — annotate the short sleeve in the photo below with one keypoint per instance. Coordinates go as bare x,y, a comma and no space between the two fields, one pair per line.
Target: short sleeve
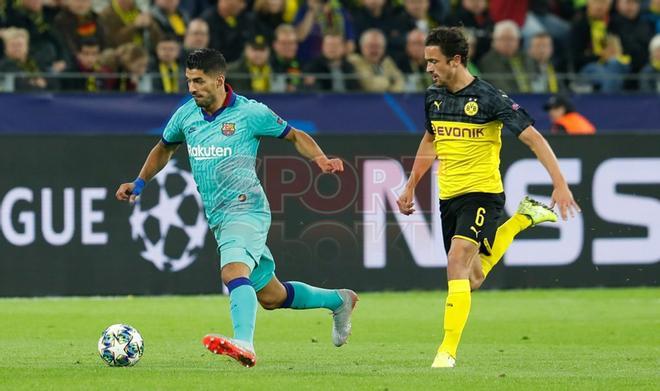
265,123
513,116
173,133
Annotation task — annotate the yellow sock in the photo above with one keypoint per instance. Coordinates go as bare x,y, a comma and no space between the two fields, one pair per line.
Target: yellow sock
503,238
457,310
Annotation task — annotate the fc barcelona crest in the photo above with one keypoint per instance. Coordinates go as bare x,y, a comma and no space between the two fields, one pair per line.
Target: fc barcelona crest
228,128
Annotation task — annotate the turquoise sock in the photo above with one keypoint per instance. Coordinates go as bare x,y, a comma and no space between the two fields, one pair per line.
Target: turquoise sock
301,296
243,303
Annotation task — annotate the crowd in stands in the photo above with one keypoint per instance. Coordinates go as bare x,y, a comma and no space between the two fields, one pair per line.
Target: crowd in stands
522,46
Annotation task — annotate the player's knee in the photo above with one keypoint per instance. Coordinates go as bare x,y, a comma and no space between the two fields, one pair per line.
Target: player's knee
234,270
270,302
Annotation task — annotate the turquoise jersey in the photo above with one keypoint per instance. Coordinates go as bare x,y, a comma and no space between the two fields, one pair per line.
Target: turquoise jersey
222,149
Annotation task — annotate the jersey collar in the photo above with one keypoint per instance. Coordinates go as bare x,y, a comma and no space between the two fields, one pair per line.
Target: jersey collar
230,98
459,92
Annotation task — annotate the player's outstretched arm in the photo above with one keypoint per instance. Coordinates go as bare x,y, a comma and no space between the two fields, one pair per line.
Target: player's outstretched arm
156,160
423,161
561,195
307,147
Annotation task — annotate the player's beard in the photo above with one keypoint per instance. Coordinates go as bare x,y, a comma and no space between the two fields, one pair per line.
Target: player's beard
442,80
205,103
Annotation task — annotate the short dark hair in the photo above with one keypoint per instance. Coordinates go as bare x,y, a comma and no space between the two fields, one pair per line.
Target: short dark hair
556,101
207,60
451,42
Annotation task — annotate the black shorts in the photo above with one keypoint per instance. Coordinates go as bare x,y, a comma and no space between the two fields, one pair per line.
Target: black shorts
474,217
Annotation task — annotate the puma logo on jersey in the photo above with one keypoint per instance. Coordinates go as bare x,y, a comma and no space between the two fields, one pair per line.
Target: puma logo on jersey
437,105
476,233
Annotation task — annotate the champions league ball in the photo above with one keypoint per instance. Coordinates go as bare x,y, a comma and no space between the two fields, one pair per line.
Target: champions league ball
121,345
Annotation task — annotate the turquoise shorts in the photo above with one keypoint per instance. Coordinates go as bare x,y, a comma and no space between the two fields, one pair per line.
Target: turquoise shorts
242,238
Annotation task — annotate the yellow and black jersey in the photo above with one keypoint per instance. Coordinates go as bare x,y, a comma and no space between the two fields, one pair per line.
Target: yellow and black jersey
467,129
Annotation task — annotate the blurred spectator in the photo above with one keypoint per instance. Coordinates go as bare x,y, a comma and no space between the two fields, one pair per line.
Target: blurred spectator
167,66
473,15
170,18
540,18
45,46
545,76
284,61
378,14
417,13
650,74
588,33
125,23
508,67
229,27
77,22
413,65
564,118
377,72
272,13
252,72
652,15
372,14
317,18
17,60
87,64
131,61
635,32
332,71
608,73
197,36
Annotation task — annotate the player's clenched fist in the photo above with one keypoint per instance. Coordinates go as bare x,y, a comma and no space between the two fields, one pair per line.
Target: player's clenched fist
405,202
330,165
130,191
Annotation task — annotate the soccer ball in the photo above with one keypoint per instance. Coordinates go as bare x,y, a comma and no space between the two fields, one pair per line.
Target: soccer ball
121,345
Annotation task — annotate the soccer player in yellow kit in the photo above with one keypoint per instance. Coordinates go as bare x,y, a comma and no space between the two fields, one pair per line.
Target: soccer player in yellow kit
464,119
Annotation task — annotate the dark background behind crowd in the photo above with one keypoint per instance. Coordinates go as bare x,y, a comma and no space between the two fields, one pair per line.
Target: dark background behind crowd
522,46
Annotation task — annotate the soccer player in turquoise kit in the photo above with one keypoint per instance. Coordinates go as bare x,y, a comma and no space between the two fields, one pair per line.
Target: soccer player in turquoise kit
222,131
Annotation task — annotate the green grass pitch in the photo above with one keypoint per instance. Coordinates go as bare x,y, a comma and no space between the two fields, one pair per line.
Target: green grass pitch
534,339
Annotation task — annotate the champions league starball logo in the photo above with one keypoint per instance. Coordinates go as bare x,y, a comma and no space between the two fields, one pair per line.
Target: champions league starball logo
169,220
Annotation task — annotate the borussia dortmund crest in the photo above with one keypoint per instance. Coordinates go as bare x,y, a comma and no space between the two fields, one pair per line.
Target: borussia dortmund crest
471,108
228,128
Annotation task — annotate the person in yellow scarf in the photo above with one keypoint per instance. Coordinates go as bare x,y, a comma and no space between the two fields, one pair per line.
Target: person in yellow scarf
167,74
252,72
170,18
